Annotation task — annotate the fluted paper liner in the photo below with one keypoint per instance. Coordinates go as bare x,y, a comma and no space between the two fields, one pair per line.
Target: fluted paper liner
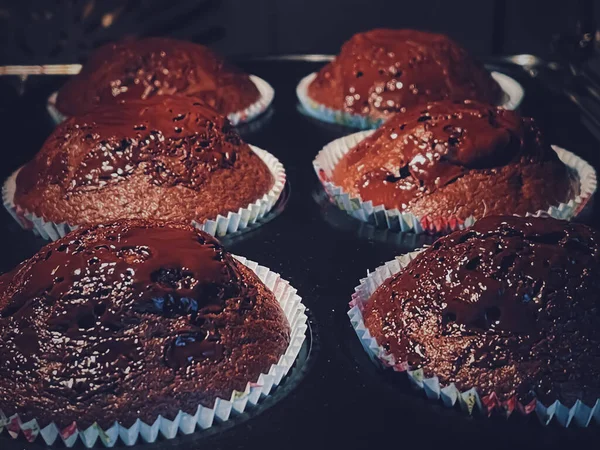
266,91
513,96
469,400
396,220
185,423
220,226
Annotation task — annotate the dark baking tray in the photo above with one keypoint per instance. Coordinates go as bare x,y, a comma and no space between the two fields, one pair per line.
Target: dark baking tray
335,397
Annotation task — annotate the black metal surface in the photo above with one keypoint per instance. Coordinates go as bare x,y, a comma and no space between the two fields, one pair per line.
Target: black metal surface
341,400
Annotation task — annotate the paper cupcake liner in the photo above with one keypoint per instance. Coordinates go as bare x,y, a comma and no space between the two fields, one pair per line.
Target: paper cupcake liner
185,423
469,400
513,96
396,220
267,94
220,226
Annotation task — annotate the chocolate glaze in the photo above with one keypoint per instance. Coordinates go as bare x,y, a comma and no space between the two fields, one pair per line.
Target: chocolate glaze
509,306
132,319
432,158
168,157
382,71
144,68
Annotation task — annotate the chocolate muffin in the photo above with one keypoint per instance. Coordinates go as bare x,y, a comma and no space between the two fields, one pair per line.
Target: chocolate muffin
132,320
456,159
144,68
166,158
380,72
509,307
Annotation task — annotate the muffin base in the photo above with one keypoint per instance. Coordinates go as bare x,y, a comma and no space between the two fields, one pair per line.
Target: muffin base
220,226
266,91
512,89
396,220
204,417
469,400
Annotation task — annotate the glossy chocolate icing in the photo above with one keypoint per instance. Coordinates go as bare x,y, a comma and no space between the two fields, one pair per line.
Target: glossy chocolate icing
143,68
425,150
172,148
132,319
509,306
383,71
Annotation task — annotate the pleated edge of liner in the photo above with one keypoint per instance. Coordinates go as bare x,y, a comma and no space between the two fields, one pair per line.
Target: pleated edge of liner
393,219
220,226
184,423
266,91
513,91
469,401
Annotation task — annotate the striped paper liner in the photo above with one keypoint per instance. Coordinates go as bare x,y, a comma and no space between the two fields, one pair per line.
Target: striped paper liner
513,96
469,400
266,91
220,226
184,423
396,220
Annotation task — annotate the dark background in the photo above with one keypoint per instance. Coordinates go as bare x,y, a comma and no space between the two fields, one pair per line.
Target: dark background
44,31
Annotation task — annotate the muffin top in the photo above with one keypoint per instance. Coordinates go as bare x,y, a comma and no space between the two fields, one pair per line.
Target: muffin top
166,158
435,159
144,68
384,71
509,306
132,320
